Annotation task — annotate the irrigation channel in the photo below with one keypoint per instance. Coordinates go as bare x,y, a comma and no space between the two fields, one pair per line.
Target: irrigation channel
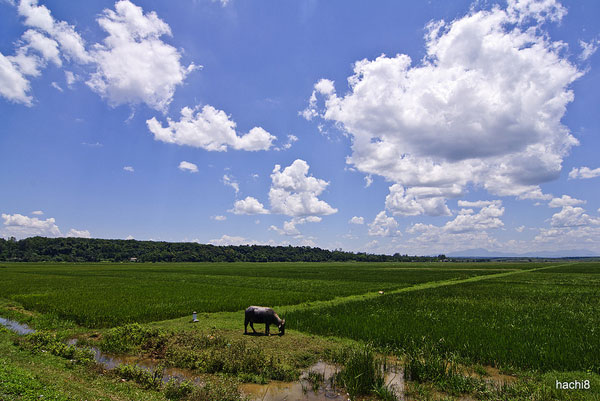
303,389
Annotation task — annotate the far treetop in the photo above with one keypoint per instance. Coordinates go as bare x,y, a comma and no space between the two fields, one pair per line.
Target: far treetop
39,249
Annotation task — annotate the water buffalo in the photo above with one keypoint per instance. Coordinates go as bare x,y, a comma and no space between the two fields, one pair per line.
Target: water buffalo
261,314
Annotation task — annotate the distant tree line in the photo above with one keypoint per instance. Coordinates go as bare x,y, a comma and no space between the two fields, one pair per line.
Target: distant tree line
39,249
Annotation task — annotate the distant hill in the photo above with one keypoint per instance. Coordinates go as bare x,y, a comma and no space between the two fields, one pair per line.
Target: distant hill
484,253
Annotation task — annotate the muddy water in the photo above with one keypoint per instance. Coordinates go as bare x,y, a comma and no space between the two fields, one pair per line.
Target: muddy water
300,390
303,389
111,361
19,328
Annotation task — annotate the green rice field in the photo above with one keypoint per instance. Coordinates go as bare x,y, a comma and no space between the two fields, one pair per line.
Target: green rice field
544,320
109,294
535,317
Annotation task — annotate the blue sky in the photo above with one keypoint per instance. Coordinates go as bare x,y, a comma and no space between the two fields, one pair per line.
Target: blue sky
411,127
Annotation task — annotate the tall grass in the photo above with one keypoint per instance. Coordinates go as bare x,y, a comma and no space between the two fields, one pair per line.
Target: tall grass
364,373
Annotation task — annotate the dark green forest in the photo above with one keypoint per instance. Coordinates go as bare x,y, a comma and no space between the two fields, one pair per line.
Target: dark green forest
39,249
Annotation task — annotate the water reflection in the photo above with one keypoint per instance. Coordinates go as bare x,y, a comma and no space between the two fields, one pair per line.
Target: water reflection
19,328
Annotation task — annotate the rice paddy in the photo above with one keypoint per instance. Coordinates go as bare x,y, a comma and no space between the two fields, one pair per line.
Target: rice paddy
537,320
105,295
543,320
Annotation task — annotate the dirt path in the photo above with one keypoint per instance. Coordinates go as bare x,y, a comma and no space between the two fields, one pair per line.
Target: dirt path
417,287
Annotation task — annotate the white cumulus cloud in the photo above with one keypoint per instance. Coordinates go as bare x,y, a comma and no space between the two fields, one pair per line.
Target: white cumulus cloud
70,42
133,64
23,226
357,220
129,169
584,173
476,204
384,226
419,200
47,40
249,205
13,84
78,233
294,193
289,227
565,200
484,107
233,240
209,129
571,216
187,166
467,220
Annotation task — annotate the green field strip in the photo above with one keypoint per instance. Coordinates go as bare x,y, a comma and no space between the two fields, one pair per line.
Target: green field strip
416,287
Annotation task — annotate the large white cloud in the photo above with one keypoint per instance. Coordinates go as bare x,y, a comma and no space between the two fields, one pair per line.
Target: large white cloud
209,129
23,226
483,107
468,229
133,65
571,216
468,220
40,18
294,193
13,84
579,237
47,41
420,200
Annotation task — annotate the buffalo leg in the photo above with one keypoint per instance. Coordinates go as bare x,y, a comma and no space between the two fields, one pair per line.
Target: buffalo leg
252,326
267,328
246,326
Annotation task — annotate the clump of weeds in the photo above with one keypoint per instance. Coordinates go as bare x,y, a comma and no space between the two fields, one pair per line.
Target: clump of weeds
150,379
133,337
315,379
44,341
431,364
363,373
